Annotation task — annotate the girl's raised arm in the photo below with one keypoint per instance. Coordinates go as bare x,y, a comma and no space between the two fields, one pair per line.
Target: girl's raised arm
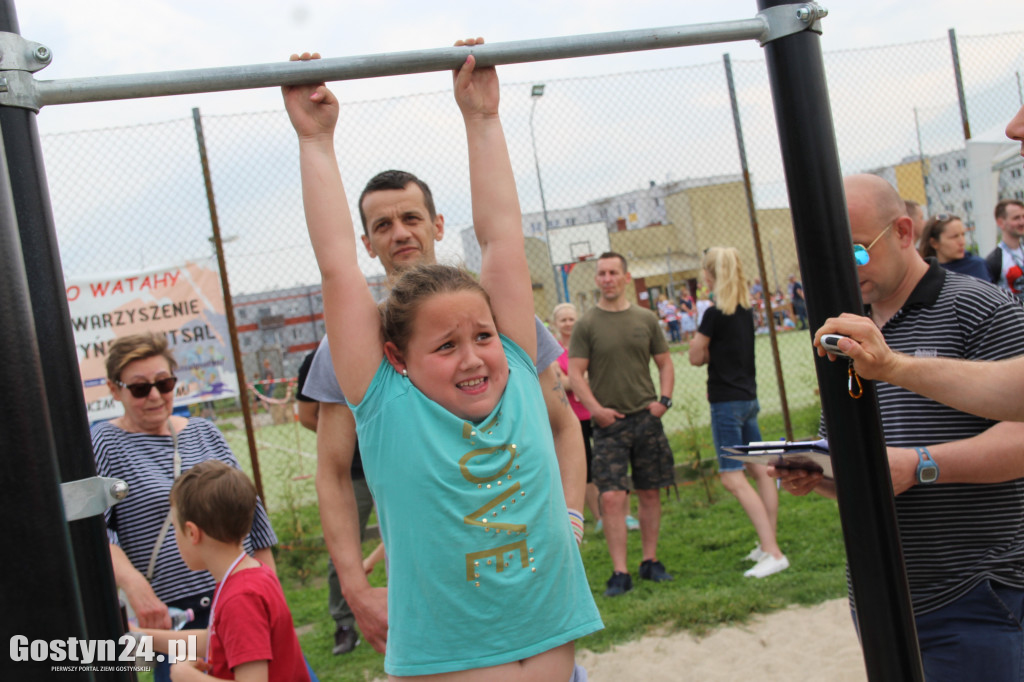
352,321
497,219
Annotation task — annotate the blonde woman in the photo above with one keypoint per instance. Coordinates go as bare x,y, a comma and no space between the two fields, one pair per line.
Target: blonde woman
725,343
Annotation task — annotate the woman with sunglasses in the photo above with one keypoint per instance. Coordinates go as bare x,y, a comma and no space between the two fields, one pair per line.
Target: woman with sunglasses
148,447
944,238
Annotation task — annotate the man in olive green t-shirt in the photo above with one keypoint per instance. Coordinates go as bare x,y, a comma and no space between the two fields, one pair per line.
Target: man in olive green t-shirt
609,369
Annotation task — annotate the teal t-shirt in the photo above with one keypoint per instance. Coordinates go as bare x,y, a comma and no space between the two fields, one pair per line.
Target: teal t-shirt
483,567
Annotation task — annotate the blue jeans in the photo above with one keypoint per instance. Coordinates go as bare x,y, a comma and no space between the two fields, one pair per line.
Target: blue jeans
977,637
733,422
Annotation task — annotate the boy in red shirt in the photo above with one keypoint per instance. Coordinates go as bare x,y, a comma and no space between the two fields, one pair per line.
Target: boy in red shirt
251,636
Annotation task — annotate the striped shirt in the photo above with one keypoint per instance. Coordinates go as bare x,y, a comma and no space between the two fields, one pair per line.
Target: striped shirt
146,462
954,535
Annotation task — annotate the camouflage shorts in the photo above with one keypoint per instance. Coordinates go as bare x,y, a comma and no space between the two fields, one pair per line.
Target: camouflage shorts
638,440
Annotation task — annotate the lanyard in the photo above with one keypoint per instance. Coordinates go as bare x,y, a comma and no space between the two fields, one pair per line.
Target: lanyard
1016,255
216,596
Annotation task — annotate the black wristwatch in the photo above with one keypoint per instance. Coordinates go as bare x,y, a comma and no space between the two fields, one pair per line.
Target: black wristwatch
666,401
927,469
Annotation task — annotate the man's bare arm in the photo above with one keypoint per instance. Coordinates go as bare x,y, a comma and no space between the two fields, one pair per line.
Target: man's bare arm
339,516
666,381
988,389
993,456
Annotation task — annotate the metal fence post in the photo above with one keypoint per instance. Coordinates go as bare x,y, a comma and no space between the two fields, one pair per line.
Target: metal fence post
814,183
758,250
959,84
229,308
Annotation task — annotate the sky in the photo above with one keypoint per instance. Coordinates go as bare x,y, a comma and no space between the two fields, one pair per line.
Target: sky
107,37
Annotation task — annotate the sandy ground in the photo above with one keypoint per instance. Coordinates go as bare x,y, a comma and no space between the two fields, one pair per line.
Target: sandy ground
798,644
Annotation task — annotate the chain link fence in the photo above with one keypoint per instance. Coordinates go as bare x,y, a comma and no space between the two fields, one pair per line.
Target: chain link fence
643,163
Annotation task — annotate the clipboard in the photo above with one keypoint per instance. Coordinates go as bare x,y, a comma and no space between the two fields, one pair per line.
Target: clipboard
810,455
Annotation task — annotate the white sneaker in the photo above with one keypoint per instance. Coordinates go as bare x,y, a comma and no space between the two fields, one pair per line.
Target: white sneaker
767,566
756,554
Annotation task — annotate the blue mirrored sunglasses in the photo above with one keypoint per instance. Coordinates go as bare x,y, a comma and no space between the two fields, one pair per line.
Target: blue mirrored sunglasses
860,252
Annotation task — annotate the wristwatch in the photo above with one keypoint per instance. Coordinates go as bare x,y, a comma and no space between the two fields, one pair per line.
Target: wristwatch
927,469
666,401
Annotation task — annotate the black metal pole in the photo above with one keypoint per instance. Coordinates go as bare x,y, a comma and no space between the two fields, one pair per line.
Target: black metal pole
40,594
821,225
54,343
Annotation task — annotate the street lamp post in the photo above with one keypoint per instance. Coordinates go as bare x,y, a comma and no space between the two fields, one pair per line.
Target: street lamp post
536,93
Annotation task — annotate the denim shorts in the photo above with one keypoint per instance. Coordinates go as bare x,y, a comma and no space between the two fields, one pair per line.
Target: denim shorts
733,422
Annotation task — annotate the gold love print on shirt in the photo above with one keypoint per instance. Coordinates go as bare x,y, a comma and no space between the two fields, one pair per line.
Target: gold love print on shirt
496,553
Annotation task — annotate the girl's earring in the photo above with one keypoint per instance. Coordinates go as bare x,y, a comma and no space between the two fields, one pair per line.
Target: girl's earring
405,373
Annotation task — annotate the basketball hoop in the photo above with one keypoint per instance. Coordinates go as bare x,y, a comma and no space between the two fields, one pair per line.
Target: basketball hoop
588,256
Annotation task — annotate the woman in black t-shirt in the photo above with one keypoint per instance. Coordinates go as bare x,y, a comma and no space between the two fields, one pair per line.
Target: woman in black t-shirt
725,343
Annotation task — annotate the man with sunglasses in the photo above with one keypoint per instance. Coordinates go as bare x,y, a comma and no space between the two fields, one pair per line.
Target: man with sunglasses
994,388
1006,262
958,479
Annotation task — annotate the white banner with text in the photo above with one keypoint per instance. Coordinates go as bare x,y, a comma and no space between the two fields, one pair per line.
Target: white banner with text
183,302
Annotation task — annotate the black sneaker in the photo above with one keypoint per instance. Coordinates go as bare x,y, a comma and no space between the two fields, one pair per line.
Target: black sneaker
619,583
345,639
654,570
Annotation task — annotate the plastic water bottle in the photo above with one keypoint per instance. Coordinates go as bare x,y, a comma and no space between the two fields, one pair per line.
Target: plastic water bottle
179,617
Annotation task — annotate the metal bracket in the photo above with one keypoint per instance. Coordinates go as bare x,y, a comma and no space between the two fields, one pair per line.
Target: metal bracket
91,496
785,20
19,58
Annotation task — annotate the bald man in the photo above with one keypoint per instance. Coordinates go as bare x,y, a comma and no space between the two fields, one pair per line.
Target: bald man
958,478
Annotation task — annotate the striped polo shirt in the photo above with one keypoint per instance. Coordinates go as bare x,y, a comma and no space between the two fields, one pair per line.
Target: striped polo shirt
146,462
954,535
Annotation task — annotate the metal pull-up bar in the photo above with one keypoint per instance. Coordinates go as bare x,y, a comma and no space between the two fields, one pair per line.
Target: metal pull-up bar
26,92
821,227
